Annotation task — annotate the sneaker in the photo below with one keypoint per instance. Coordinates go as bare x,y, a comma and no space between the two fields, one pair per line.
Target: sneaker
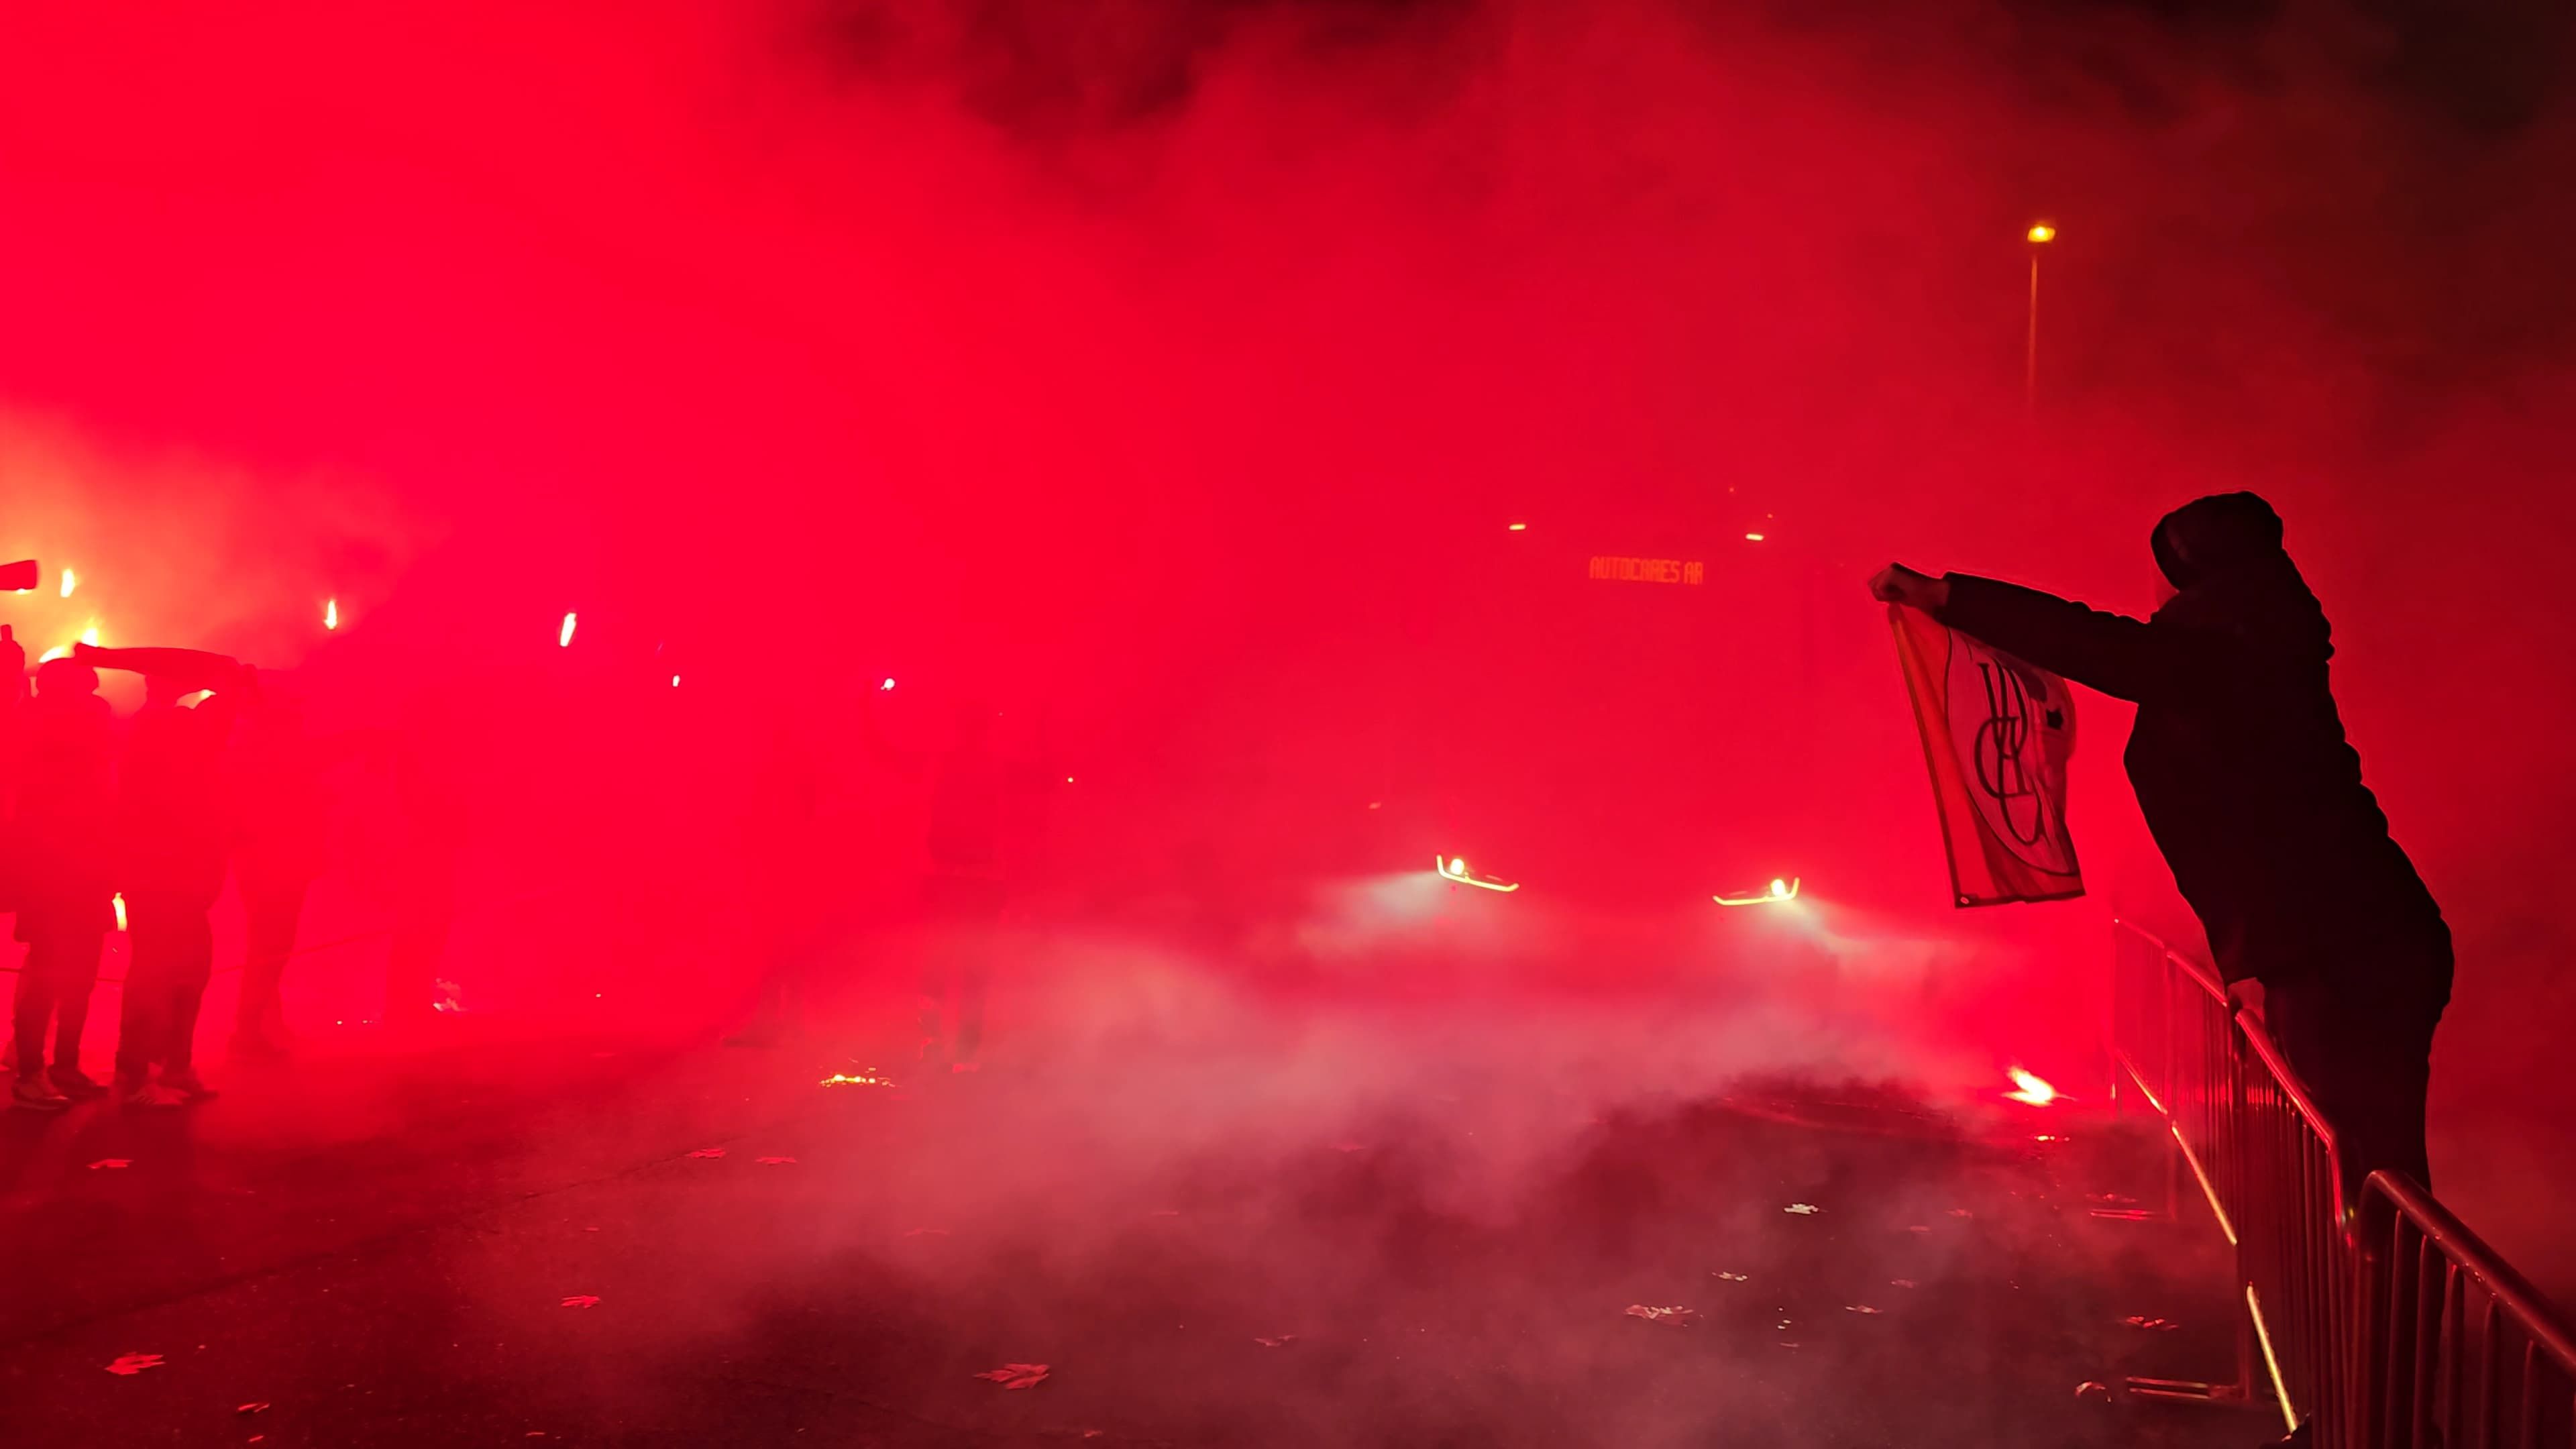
76,1084
187,1084
36,1094
149,1096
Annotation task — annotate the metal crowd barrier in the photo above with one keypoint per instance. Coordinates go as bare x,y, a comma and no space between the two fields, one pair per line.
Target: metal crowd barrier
2382,1323
2454,1349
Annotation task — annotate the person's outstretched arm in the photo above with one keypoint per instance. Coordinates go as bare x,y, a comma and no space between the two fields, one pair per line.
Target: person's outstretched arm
2122,657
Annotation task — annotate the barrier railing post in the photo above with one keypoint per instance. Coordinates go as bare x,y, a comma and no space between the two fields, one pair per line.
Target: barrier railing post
2381,1321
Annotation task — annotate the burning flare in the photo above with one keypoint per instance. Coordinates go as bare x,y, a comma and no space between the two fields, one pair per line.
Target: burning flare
331,614
2028,1088
563,639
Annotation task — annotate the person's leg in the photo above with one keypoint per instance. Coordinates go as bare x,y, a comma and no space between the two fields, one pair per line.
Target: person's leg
32,1010
157,947
271,914
192,968
76,956
2363,1050
147,975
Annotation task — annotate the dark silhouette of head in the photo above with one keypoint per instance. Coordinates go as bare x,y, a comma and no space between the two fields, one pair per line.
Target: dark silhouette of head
2212,537
63,682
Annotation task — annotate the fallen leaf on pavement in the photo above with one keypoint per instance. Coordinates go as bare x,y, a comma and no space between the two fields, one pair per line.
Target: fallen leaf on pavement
1736,1277
1676,1316
1017,1375
1961,1213
1803,1209
130,1364
251,1408
1900,1282
775,1161
582,1300
1918,1228
2152,1325
1858,1308
1282,1341
111,1164
708,1152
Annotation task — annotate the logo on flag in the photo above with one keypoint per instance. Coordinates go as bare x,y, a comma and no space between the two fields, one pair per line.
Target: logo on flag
1997,733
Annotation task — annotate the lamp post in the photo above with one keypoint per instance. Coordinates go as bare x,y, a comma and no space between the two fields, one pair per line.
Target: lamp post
2039,235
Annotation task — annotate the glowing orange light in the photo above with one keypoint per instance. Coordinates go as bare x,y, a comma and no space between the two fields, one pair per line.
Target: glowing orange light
59,651
563,639
1780,889
889,684
1520,528
1752,538
331,614
2030,1089
120,909
69,581
2043,233
1455,869
89,636
855,1079
675,681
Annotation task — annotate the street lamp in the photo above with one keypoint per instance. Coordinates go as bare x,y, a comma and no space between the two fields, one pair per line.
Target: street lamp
2039,235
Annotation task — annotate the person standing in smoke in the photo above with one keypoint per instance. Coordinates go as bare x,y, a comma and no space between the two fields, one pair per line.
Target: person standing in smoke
967,889
60,835
2251,791
284,822
173,827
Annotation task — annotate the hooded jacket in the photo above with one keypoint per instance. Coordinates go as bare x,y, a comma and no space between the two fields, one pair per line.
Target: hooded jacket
2238,755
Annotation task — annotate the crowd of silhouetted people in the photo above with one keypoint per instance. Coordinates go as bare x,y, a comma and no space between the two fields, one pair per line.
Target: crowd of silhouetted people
136,825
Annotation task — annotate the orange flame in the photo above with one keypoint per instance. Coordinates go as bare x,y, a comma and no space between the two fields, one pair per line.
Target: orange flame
331,613
860,1079
2030,1089
120,909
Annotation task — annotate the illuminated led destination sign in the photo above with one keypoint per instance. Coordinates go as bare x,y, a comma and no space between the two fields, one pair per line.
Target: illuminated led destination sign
1648,570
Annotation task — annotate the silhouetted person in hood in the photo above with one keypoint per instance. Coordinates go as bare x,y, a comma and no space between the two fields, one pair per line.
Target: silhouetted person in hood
174,825
2257,802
